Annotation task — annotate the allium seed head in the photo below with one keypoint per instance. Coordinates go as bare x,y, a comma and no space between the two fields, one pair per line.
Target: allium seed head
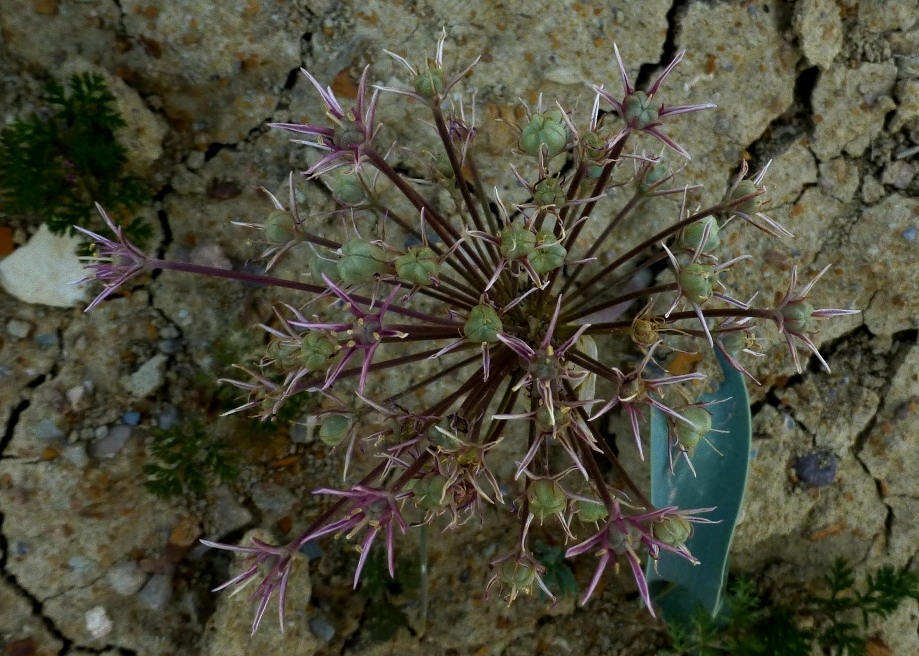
465,351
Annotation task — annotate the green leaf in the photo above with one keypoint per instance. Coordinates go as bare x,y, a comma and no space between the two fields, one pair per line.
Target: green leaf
677,585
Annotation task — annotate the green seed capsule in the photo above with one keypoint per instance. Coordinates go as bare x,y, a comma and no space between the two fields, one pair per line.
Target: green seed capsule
798,316
349,135
549,192
672,530
745,188
327,264
429,492
546,498
689,436
549,257
653,176
334,430
696,281
633,391
283,353
691,236
639,110
544,418
418,266
516,241
315,351
545,132
347,187
589,512
733,342
360,262
517,575
279,227
430,83
483,325
595,144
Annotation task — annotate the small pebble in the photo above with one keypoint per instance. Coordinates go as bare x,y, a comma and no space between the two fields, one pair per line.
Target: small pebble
168,417
98,622
170,332
817,469
195,160
227,514
210,254
100,432
76,396
46,340
112,443
131,418
48,430
904,409
320,628
272,499
18,328
76,455
169,346
299,433
149,377
157,591
910,233
185,533
80,564
126,578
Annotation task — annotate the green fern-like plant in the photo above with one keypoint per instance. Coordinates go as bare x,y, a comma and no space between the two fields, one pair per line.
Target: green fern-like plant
750,626
884,592
57,164
182,460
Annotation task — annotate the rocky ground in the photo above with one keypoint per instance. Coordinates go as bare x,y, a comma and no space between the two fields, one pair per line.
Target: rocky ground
93,563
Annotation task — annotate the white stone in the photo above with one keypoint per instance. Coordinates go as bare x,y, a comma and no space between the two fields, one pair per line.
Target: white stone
149,378
98,623
76,455
18,328
126,578
43,271
76,396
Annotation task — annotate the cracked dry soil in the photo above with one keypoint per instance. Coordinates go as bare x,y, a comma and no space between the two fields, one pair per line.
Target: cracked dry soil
92,563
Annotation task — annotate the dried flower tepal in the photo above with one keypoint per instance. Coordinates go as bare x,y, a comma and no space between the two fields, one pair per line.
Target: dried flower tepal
497,300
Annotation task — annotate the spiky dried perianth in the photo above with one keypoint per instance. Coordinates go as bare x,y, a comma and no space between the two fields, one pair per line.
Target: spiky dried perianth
499,300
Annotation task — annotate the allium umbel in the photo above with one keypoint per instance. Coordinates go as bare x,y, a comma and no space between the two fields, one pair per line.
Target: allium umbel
519,322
